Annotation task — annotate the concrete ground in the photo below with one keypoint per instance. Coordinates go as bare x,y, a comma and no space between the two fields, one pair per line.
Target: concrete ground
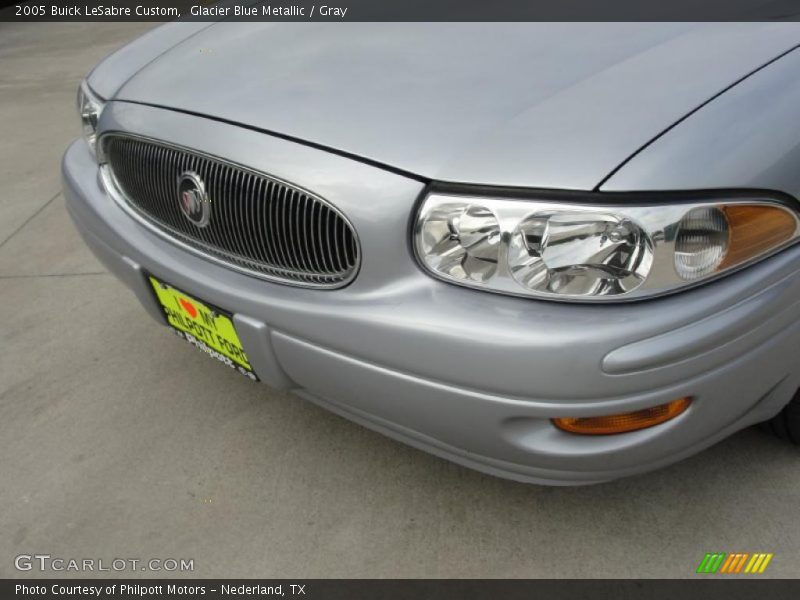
107,450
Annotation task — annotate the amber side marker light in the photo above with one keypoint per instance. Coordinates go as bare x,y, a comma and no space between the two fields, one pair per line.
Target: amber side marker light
623,422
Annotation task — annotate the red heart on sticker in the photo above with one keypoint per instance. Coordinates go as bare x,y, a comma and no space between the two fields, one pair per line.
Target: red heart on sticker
188,307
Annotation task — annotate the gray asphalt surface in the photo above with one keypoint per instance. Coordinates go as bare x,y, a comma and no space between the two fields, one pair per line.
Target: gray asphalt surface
117,440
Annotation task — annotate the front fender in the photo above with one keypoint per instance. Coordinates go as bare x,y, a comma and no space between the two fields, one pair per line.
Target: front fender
113,71
748,137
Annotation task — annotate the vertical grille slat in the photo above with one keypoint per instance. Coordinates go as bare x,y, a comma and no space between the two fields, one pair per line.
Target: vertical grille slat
208,233
269,224
250,234
164,179
216,192
309,234
326,234
293,237
302,211
308,240
257,224
232,208
280,225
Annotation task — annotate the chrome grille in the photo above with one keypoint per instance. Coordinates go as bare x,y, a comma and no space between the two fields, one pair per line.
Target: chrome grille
257,224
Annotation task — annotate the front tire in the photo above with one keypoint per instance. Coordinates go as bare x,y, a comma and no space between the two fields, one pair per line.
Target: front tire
786,424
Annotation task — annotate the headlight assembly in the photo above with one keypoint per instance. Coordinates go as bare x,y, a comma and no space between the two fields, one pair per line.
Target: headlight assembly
577,251
89,109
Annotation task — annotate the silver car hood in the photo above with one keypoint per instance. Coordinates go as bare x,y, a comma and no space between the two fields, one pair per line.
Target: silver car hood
532,105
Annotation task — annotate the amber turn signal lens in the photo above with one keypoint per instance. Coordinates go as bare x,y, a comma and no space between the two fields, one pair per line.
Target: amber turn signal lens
623,422
754,230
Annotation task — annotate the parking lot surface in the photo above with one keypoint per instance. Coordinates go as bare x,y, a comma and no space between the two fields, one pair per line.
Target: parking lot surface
120,441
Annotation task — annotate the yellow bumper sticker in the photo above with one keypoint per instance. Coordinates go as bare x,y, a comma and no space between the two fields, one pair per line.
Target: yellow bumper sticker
203,327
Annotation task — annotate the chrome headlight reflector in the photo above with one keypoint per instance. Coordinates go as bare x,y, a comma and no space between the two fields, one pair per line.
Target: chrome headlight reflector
579,253
462,241
576,251
89,108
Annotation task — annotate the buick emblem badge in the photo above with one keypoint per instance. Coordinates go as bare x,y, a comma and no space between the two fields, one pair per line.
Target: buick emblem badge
193,200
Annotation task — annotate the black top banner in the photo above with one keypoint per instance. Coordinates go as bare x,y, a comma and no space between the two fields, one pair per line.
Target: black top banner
402,10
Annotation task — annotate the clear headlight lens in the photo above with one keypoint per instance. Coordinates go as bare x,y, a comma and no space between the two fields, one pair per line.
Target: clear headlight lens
572,251
579,254
89,109
462,241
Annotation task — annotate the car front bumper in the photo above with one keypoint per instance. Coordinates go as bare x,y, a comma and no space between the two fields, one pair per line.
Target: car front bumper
470,376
